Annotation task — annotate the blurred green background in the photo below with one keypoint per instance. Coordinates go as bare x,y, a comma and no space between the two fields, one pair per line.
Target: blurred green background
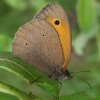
84,18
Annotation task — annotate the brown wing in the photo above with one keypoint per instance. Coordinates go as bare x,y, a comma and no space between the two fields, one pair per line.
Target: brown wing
51,13
38,44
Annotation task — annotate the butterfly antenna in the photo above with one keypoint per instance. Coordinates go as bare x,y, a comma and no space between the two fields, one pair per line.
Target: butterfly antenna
83,80
81,71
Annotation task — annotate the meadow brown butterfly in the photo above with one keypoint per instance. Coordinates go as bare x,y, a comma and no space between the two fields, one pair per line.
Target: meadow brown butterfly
45,42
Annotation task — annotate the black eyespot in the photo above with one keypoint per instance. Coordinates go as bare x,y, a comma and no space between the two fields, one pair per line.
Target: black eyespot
43,34
57,22
26,44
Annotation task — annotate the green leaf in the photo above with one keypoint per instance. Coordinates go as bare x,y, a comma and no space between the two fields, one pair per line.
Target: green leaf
81,40
13,91
97,6
5,43
17,4
10,93
8,24
29,73
76,96
48,88
85,14
5,96
37,5
97,97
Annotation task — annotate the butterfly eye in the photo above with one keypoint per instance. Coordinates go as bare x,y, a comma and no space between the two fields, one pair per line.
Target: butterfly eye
57,22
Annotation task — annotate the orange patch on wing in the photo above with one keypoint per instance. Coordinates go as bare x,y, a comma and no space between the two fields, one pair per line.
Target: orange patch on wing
65,38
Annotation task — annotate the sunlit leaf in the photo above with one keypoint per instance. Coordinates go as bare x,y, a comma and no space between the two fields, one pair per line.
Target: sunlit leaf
97,97
17,4
85,14
81,40
5,96
29,73
76,96
5,43
37,5
5,88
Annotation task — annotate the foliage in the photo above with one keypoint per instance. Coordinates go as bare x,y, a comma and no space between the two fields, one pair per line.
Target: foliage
84,16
